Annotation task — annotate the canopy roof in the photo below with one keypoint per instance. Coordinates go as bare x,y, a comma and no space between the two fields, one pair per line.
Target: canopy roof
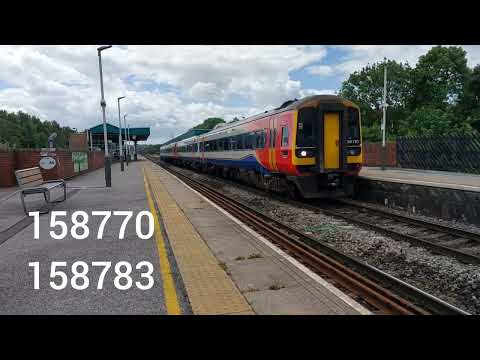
139,134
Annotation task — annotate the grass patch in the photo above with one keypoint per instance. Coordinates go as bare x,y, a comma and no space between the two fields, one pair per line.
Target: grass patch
224,267
276,286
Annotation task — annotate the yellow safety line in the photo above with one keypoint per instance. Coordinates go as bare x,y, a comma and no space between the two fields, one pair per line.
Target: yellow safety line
169,291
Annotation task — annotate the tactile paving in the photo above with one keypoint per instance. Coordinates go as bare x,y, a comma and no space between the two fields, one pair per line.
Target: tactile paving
210,290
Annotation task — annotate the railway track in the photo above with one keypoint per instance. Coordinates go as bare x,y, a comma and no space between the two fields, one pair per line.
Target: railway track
462,244
381,292
439,239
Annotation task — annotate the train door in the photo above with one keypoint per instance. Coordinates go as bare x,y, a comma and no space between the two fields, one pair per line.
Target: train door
283,143
331,140
201,145
272,142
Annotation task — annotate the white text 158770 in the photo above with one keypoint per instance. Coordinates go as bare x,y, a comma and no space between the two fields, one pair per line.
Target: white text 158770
79,222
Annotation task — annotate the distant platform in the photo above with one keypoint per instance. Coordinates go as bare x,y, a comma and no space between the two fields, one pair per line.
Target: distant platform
438,194
441,179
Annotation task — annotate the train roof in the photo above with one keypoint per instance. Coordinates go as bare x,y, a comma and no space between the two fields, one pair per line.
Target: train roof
296,104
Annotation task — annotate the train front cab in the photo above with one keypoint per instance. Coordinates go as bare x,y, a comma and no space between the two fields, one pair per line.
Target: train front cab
328,151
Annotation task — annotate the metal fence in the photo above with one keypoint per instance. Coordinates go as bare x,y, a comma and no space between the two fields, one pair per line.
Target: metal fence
448,153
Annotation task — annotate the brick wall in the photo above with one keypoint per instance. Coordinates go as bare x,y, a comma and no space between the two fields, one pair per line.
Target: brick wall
372,154
96,159
7,168
27,158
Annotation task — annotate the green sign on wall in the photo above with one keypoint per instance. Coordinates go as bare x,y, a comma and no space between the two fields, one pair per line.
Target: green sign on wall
80,161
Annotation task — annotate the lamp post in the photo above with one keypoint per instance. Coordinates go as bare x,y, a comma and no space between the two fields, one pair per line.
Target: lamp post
120,133
129,140
384,119
127,150
108,164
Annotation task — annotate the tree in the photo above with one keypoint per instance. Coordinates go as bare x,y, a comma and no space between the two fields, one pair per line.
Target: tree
23,130
430,121
475,83
440,77
365,88
209,123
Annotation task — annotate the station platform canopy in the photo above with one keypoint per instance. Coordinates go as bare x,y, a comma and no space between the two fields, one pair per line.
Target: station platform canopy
136,134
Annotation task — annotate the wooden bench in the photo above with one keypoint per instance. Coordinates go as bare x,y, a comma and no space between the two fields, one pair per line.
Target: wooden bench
31,182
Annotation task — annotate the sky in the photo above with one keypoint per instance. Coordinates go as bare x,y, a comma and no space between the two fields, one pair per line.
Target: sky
172,88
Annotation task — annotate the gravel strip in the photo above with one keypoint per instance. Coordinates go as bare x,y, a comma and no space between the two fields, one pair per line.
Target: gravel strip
441,276
457,224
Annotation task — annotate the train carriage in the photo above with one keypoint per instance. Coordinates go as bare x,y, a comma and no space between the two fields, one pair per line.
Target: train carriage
310,147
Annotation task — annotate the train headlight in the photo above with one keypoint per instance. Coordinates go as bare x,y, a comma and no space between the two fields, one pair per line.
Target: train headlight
303,153
353,151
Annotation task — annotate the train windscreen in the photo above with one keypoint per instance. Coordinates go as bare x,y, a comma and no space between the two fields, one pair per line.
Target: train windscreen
353,128
306,128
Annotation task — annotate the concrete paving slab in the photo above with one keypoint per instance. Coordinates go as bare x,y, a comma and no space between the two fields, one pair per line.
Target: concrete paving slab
259,274
17,295
289,301
461,181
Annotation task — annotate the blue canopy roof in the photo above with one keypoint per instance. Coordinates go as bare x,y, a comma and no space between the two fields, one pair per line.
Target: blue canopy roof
140,133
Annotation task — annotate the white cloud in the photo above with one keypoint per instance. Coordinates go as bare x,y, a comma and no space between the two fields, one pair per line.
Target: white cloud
323,70
167,87
205,90
359,56
310,92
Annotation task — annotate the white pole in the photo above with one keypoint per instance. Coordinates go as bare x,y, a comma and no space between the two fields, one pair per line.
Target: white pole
103,104
108,161
129,139
384,120
120,133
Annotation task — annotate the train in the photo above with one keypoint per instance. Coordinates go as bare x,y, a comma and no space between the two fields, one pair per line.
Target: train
306,148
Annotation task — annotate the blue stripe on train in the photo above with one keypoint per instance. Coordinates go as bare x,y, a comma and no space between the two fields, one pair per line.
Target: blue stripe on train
249,162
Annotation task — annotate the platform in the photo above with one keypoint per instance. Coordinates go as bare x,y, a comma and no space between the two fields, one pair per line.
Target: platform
205,261
442,179
437,194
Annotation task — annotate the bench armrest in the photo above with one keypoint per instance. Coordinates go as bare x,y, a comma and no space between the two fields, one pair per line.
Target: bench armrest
54,181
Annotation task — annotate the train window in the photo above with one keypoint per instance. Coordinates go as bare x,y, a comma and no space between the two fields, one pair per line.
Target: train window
284,136
250,141
306,127
258,139
239,139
